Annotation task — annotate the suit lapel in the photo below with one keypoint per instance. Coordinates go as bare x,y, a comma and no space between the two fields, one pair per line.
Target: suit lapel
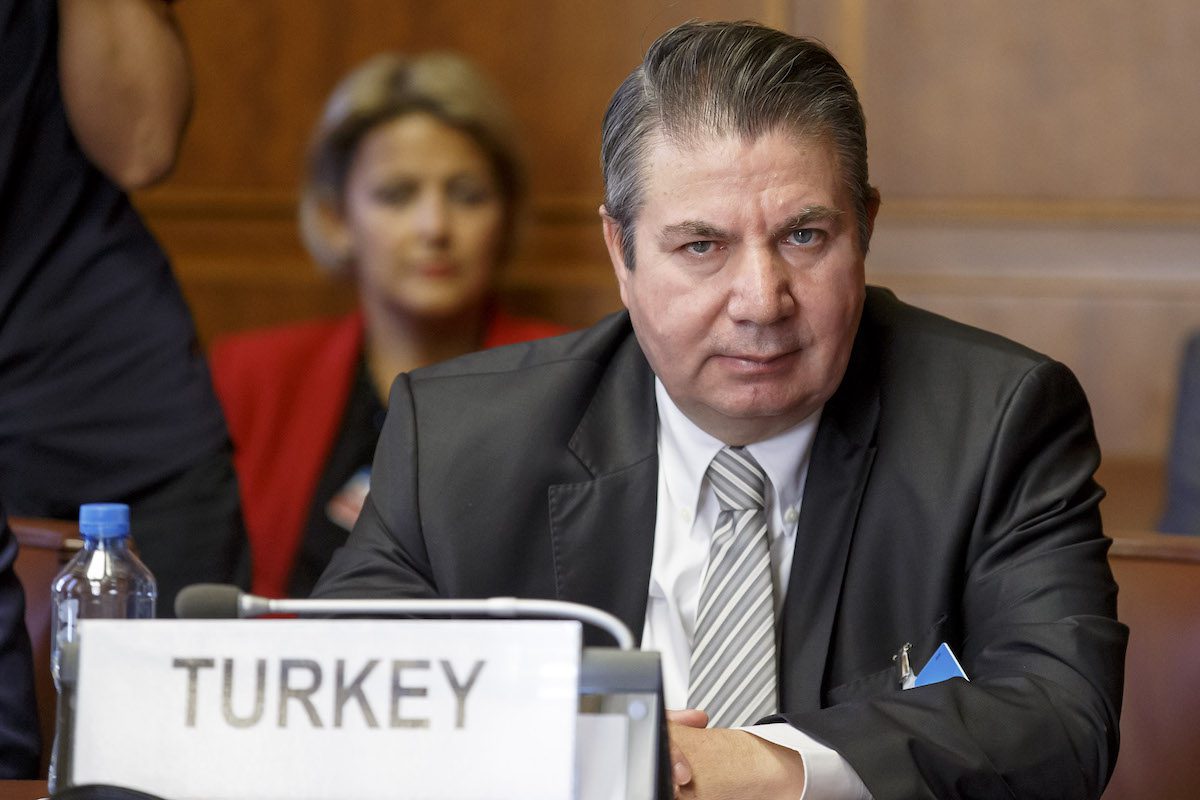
603,528
842,455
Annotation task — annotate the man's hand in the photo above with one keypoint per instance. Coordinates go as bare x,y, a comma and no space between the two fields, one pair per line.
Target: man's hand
724,764
681,770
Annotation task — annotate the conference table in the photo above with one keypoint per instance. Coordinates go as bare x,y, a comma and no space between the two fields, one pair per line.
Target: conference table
22,790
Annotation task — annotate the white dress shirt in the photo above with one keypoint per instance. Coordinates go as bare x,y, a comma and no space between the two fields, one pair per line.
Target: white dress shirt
687,515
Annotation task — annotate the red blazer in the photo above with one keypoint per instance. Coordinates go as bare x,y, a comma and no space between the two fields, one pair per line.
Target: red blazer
284,391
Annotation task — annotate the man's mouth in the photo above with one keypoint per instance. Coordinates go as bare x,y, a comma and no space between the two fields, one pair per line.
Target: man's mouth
757,362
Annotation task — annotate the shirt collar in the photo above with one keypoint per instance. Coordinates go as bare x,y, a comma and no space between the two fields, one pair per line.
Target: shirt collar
784,457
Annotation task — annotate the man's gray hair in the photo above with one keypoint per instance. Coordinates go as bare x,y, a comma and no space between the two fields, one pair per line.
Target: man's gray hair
706,79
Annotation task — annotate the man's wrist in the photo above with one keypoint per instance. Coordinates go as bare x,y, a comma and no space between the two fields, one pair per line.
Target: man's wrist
781,768
827,776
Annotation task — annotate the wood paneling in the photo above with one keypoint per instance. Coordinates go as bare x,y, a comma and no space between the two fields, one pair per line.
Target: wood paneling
1113,304
1078,99
1159,580
1134,499
838,24
1036,161
264,68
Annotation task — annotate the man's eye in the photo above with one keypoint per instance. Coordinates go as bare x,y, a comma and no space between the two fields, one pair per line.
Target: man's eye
802,236
699,248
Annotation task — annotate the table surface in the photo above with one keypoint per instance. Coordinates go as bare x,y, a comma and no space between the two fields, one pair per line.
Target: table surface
22,790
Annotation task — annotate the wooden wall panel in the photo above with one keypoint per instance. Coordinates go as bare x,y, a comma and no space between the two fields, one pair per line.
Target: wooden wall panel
1113,304
1035,160
838,24
263,70
1078,99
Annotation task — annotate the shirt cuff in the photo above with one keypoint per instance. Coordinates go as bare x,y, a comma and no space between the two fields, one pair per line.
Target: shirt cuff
827,776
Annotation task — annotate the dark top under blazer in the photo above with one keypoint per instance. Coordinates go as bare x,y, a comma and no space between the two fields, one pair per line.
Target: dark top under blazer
949,498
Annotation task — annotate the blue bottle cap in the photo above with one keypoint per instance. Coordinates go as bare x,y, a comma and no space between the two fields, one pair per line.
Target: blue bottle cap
103,520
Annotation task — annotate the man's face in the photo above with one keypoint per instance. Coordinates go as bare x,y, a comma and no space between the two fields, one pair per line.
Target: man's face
749,280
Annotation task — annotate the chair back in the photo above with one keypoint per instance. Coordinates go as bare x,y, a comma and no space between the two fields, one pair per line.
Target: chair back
44,546
1158,576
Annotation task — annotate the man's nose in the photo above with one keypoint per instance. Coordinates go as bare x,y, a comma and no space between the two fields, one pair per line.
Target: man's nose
761,288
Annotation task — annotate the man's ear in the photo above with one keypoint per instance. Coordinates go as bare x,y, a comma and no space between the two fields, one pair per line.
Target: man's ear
873,203
616,254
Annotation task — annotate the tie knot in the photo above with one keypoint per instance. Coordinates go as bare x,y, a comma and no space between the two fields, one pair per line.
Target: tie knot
737,479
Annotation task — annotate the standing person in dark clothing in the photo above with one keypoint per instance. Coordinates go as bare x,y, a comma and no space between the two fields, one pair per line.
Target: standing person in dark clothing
18,710
104,394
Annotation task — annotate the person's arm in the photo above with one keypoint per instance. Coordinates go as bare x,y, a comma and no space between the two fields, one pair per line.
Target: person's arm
1041,643
1042,647
730,763
779,761
126,85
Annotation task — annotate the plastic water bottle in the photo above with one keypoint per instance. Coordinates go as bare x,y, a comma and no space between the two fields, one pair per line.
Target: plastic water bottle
104,580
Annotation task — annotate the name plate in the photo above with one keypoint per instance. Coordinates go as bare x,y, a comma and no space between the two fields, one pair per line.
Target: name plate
328,709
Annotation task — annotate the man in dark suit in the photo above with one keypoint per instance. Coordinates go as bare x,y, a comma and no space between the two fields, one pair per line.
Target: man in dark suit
776,475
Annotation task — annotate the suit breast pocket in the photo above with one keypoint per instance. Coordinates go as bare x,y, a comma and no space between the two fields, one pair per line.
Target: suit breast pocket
886,680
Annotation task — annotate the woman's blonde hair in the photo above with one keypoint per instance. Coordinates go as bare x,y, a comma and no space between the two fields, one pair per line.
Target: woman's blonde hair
385,88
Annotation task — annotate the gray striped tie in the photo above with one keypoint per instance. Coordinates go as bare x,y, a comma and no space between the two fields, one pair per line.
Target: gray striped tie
732,673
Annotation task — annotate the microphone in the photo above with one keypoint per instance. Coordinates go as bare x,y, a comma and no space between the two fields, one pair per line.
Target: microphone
209,601
222,601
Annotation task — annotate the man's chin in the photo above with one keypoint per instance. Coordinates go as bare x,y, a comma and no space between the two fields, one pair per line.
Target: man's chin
746,422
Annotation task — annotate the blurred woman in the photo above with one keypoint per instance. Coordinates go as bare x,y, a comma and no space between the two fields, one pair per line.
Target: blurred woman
412,191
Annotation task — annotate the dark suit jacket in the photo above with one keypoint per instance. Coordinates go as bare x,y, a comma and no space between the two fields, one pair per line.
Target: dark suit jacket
949,498
18,709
